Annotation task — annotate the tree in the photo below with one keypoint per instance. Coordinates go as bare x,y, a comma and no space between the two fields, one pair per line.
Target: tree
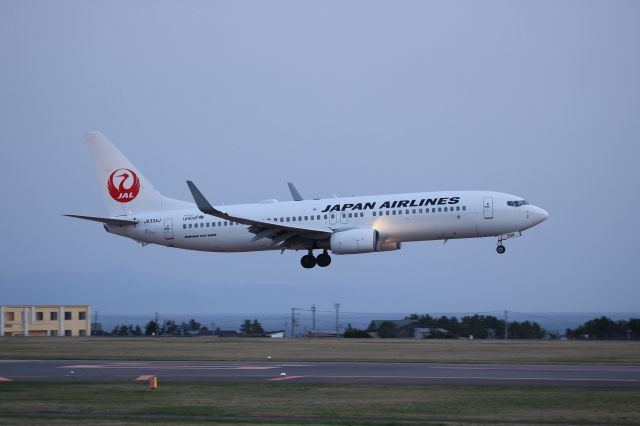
525,330
634,327
151,328
169,328
600,328
251,328
194,325
387,330
256,328
355,333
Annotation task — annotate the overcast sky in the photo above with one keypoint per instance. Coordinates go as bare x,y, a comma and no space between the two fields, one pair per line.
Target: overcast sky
539,99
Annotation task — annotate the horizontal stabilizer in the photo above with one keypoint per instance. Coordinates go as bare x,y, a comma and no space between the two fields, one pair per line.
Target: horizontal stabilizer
107,220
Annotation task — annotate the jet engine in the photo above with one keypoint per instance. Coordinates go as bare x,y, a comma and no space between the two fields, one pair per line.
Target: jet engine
360,240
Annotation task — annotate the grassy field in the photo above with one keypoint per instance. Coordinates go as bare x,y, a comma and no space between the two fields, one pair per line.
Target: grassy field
375,350
193,403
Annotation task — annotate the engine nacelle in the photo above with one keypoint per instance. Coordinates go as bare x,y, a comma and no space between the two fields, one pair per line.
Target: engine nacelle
352,241
360,240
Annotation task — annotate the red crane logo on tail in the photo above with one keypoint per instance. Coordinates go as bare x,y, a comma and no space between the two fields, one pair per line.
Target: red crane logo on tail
127,188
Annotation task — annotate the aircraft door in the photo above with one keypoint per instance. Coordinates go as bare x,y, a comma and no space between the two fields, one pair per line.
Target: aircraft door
488,207
168,229
333,218
343,217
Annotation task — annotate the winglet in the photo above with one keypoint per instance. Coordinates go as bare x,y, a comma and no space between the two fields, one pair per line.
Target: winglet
294,192
202,202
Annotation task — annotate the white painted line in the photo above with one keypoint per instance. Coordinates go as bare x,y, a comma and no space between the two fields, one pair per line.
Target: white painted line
171,367
5,379
279,379
551,379
514,367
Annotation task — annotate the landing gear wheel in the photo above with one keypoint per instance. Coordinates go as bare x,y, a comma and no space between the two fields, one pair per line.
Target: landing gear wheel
308,261
501,249
323,259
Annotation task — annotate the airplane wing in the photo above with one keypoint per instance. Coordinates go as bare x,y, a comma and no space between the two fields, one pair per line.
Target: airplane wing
294,192
107,220
279,233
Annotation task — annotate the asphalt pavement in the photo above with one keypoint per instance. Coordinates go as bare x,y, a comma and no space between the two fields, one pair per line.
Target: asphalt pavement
324,372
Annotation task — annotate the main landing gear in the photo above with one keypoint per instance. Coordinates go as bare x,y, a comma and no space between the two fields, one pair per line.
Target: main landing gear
308,261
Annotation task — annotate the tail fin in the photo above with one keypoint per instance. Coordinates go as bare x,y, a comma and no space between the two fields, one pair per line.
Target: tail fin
125,190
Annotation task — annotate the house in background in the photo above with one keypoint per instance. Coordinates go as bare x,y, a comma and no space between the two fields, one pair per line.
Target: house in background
45,320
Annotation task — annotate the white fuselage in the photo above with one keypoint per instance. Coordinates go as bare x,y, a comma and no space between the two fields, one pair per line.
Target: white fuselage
397,218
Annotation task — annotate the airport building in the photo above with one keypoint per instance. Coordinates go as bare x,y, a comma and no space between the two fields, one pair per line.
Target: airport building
45,320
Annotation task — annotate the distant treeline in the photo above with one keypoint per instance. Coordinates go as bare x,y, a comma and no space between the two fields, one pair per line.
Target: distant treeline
490,327
443,327
480,327
604,328
185,328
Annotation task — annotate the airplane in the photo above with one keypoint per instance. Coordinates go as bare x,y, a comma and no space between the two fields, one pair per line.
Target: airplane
349,225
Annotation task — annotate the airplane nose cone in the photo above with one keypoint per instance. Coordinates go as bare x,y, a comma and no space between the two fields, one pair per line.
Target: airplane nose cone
538,215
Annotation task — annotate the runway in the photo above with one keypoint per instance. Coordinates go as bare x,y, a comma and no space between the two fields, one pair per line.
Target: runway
324,372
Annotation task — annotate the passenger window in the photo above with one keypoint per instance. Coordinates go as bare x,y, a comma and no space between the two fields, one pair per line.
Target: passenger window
288,219
393,212
433,210
184,226
414,211
464,208
350,215
419,210
399,211
361,214
318,217
225,223
219,223
190,225
344,215
407,211
374,213
299,218
293,219
387,212
325,217
439,209
213,224
457,208
306,218
333,216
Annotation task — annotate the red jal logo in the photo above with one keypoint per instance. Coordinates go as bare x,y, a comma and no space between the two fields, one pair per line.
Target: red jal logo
127,189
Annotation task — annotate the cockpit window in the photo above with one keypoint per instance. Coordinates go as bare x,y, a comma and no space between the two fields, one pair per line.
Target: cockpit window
517,203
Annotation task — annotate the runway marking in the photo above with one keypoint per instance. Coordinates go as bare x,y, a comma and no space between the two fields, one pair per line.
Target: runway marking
517,368
144,377
477,378
172,367
279,379
5,379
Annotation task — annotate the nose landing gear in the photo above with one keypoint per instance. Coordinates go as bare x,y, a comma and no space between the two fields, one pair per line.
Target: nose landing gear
308,261
501,248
